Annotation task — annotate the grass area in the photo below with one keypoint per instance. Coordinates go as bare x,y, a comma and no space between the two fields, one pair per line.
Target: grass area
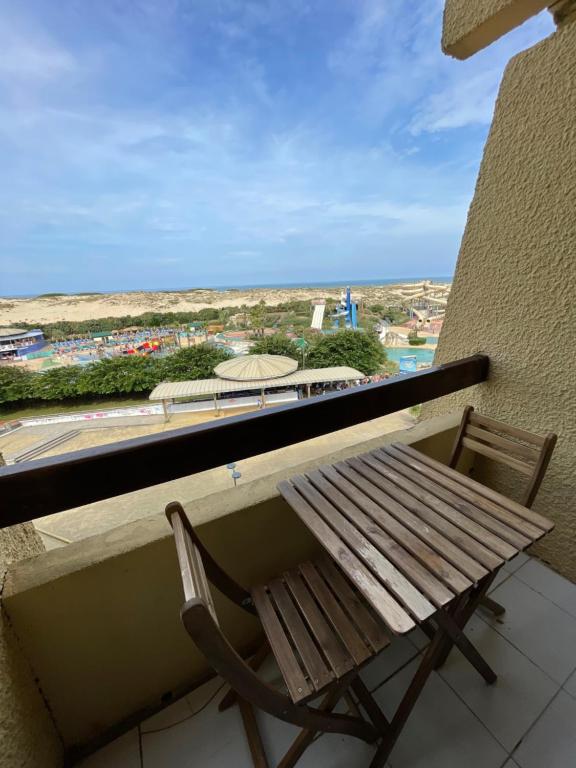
69,406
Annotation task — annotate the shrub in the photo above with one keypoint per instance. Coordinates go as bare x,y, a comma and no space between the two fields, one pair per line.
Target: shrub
15,383
56,384
193,363
120,375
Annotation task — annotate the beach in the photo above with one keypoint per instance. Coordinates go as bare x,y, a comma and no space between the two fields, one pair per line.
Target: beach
53,308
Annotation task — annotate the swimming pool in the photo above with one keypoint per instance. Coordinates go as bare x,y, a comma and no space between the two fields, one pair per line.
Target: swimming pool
422,355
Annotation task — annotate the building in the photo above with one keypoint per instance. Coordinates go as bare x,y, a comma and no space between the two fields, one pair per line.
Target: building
249,380
18,343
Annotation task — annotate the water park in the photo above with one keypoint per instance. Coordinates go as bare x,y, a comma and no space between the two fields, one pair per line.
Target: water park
407,328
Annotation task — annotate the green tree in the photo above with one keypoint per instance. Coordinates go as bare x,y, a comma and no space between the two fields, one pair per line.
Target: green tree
193,363
120,375
15,383
257,317
278,344
208,314
57,383
353,348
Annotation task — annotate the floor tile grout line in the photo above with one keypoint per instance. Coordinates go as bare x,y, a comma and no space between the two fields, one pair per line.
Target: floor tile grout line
525,733
541,594
476,717
140,747
560,607
540,716
418,652
509,640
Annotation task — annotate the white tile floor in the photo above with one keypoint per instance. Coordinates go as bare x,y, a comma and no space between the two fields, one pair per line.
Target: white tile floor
526,720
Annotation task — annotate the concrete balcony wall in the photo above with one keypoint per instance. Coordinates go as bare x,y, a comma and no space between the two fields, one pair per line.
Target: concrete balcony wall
28,736
468,27
99,619
514,291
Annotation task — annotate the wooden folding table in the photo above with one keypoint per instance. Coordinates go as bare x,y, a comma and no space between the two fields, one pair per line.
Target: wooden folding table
422,543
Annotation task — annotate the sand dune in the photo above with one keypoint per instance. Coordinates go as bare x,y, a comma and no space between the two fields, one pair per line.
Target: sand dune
49,309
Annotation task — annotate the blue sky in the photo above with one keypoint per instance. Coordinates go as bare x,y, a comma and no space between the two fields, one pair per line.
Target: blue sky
181,143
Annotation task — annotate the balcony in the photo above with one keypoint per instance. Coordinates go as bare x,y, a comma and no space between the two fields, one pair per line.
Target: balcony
101,615
526,720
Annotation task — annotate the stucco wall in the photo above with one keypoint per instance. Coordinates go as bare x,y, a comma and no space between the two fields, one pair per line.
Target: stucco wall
514,293
470,26
28,738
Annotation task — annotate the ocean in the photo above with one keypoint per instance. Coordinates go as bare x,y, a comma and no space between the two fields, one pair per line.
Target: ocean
251,286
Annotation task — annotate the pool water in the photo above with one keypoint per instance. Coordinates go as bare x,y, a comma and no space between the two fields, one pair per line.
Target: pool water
422,355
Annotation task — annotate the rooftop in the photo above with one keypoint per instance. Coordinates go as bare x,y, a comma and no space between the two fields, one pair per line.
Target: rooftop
526,720
169,390
17,332
256,367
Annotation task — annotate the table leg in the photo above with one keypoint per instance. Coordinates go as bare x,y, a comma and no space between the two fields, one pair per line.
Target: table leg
462,612
449,633
409,700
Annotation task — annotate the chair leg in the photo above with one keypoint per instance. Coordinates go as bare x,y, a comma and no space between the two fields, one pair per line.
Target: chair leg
373,710
306,736
492,606
253,734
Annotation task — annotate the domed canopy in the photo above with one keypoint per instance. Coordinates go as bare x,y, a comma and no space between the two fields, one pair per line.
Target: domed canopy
250,367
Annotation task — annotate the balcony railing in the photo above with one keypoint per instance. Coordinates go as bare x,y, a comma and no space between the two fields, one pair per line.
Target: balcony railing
46,486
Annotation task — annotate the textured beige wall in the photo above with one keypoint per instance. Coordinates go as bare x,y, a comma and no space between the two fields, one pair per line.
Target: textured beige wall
28,737
470,25
102,615
514,293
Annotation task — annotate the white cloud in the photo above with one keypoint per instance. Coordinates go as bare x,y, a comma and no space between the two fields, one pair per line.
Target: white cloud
31,56
404,81
462,102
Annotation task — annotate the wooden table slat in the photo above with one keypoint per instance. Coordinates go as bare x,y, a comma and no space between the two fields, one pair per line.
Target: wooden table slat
342,624
392,613
467,524
293,675
475,510
336,654
417,561
496,519
366,623
319,674
399,488
539,521
433,531
391,577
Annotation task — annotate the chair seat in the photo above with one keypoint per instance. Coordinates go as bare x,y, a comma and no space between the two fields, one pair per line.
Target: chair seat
318,625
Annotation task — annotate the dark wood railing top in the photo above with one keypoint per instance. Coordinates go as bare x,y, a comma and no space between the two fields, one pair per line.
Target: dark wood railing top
45,486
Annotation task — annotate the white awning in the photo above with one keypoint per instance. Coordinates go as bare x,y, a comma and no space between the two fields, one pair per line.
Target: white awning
170,390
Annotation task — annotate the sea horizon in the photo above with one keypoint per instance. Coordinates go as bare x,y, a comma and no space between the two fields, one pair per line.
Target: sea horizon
244,287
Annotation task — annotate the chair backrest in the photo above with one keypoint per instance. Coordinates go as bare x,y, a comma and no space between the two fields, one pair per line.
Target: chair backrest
524,451
192,570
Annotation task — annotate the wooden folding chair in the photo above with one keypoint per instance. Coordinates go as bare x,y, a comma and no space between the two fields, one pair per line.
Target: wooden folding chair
523,451
317,626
